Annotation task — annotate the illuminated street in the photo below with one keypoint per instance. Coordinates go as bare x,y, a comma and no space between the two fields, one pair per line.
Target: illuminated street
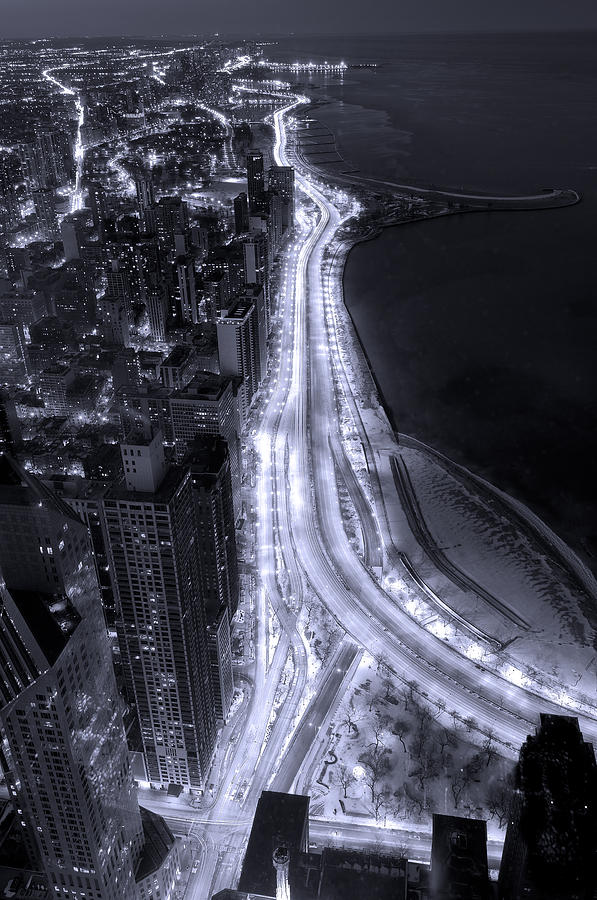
300,528
245,600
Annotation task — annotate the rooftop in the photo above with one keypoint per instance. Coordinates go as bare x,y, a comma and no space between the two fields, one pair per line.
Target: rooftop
280,819
205,386
178,356
159,840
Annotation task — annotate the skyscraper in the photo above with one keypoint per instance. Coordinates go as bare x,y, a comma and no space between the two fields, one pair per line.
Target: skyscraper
98,202
157,309
256,267
10,170
280,180
145,193
45,210
241,213
255,181
187,289
160,614
72,238
114,321
551,842
172,219
55,156
209,463
64,752
239,348
10,428
209,405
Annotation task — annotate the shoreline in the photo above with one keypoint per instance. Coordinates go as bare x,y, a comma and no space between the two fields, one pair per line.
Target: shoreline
582,557
576,559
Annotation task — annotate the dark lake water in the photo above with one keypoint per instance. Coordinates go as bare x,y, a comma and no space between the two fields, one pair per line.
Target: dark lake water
481,328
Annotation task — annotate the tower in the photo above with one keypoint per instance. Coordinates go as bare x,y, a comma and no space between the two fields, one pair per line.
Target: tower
10,428
255,180
145,193
281,181
98,202
239,349
64,751
160,616
45,210
187,289
241,213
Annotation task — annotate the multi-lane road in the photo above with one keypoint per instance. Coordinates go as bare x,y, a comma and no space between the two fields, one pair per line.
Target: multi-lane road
302,545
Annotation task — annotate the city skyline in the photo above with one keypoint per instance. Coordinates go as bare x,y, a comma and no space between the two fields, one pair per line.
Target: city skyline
255,637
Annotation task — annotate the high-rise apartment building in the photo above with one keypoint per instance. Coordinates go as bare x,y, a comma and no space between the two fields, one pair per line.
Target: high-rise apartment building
280,181
275,225
45,210
72,238
160,615
98,201
238,350
64,753
187,289
10,427
145,193
256,259
256,267
209,463
208,458
255,181
209,406
241,213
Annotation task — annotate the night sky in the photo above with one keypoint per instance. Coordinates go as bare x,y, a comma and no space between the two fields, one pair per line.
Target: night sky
46,18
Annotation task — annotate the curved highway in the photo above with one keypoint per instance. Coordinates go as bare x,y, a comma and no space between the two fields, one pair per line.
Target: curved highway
339,577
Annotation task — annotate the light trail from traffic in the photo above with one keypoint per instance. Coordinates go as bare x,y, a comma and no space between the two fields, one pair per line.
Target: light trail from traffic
343,583
76,200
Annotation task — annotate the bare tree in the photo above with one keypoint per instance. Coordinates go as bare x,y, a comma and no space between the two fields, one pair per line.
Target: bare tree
376,764
471,723
380,801
499,799
441,707
401,728
423,731
457,785
489,747
380,724
345,777
427,767
387,677
446,738
310,605
388,686
350,719
408,693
